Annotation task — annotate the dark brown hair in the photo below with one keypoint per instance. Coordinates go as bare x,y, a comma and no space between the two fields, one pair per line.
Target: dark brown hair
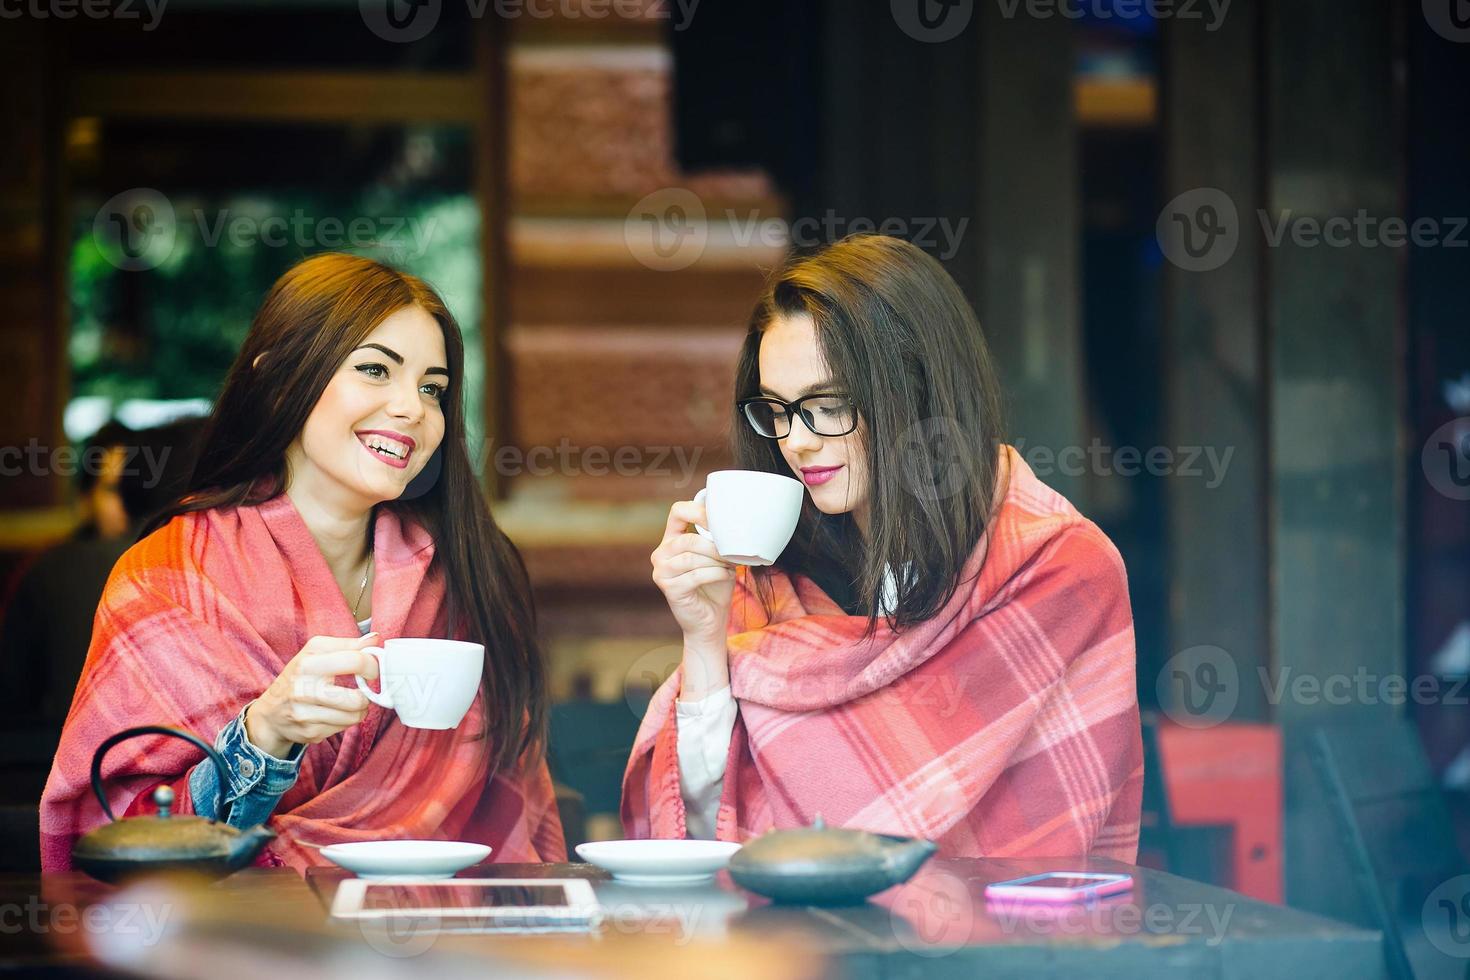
314,316
901,340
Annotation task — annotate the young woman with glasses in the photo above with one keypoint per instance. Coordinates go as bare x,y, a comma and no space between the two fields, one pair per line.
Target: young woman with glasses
945,648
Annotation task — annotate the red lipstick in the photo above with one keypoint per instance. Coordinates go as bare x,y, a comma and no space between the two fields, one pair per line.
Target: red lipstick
815,476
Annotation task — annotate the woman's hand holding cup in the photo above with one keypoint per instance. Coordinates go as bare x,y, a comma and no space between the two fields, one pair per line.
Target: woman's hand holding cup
304,704
698,585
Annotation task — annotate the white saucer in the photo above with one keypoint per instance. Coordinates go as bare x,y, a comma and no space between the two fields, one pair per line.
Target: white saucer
384,860
659,862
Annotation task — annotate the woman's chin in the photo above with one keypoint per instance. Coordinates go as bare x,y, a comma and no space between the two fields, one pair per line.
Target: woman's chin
381,489
831,504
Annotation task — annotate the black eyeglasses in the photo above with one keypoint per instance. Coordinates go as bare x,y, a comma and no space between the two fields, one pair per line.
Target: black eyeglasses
824,415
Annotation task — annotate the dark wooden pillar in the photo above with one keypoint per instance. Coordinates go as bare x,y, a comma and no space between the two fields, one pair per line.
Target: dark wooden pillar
1029,226
34,370
1336,365
1335,474
1214,359
492,188
966,137
1283,137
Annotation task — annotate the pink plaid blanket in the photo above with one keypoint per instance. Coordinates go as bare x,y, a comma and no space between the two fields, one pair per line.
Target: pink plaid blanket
1005,726
199,617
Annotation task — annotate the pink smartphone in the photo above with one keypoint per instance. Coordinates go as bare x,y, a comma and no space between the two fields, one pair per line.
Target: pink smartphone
1059,886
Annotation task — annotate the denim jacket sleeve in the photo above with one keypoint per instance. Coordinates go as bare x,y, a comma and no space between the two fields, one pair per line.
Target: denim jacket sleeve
257,779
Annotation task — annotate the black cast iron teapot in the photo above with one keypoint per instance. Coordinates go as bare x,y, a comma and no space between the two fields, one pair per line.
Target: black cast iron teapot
821,865
138,845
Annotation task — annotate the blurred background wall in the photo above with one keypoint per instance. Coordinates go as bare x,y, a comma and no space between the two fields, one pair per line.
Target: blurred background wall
1220,250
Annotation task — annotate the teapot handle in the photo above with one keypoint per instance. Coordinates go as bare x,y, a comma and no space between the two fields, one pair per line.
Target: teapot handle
127,733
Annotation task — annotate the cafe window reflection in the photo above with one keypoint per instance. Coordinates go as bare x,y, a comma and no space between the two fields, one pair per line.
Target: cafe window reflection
178,229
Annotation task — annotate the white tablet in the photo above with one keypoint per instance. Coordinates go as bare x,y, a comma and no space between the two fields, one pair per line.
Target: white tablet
472,904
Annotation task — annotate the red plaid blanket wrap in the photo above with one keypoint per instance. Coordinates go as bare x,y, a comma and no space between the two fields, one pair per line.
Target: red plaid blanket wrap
199,617
1005,726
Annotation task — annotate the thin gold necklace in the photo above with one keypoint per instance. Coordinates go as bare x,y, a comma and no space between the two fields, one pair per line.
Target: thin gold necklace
363,588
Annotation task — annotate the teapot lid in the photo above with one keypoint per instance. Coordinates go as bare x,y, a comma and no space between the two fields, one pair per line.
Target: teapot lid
816,844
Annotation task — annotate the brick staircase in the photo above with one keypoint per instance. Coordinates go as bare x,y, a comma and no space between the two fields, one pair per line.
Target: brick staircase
618,369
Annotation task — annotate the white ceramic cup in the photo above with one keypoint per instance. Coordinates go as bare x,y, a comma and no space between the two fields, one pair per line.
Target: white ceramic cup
751,514
429,683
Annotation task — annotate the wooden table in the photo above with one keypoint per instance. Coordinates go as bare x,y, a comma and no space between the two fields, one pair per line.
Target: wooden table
264,924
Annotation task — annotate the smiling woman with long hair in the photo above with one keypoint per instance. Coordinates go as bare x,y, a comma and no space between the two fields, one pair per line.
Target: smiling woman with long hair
333,506
944,649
